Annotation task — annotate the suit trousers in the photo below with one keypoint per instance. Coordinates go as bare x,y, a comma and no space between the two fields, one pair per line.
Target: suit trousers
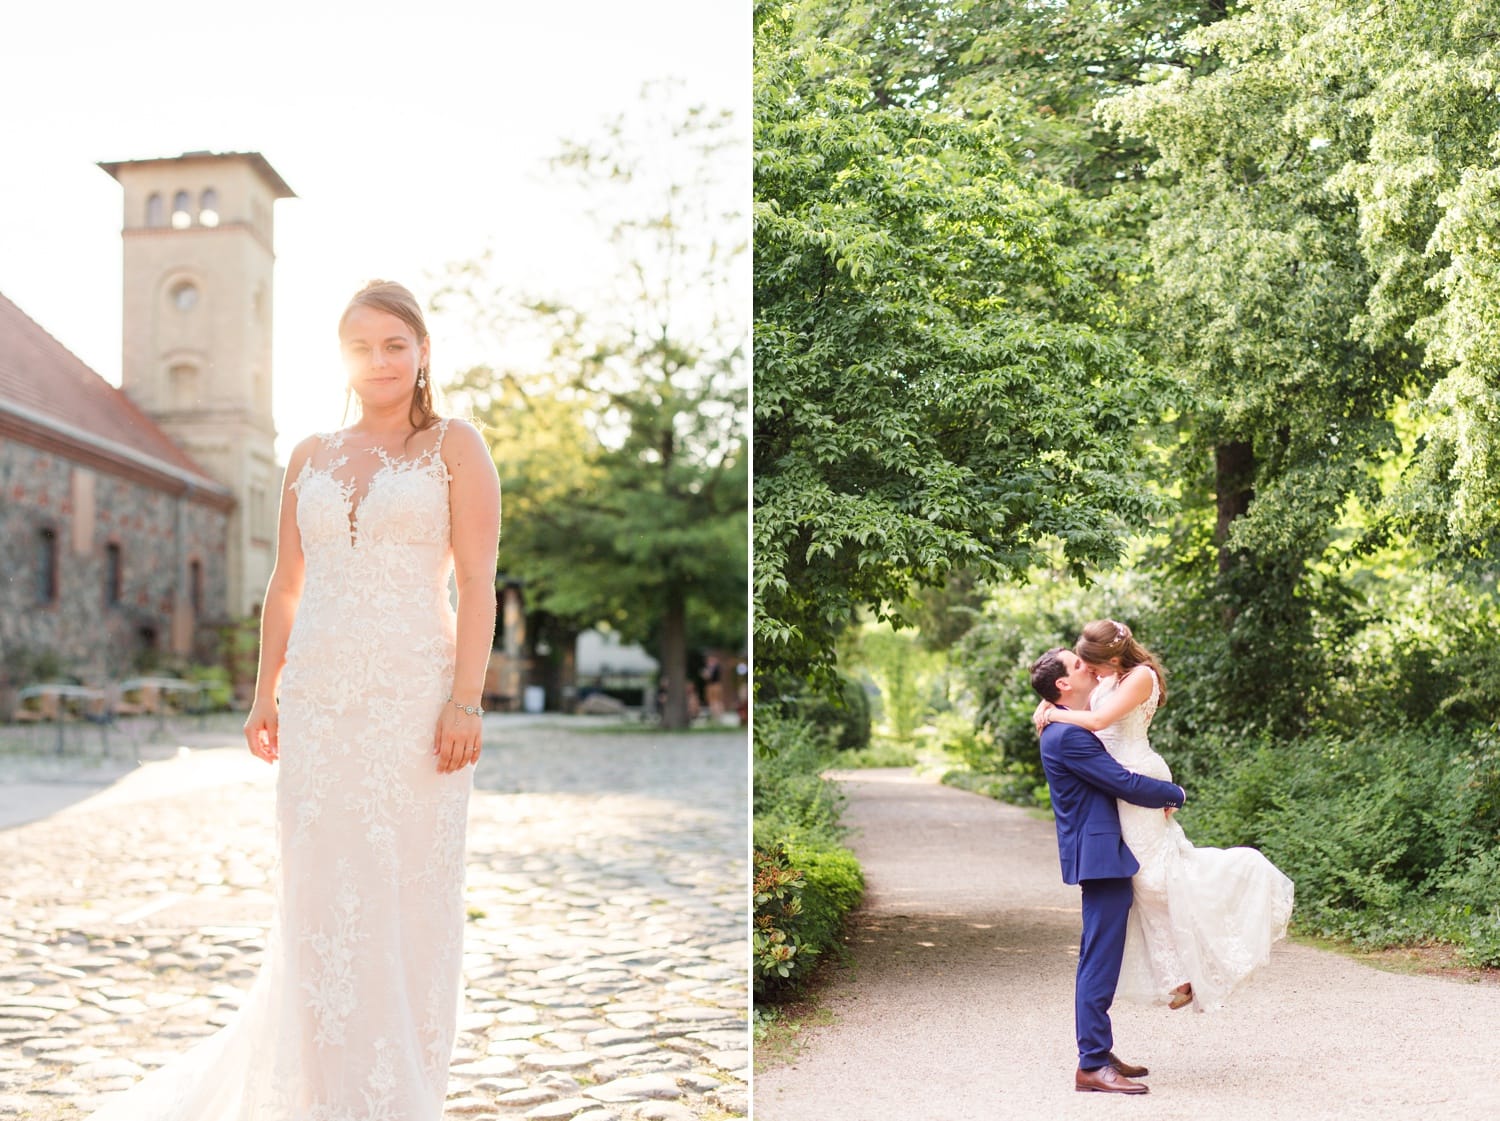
1106,910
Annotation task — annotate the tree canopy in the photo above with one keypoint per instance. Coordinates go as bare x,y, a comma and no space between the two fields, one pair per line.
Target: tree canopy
938,384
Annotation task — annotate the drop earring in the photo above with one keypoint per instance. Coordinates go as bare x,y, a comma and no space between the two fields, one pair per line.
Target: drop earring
421,379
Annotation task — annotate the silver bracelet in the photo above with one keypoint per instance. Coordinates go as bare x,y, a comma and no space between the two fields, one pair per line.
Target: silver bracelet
471,710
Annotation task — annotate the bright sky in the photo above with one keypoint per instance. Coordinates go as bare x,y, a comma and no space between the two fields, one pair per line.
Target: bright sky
413,134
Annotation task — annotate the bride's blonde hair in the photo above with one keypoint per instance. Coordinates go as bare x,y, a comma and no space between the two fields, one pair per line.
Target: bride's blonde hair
1104,639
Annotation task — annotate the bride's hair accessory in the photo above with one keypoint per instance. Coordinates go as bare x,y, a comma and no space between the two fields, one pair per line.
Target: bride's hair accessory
1122,632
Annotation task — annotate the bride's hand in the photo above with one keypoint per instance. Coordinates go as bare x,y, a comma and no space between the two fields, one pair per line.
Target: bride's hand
457,739
261,728
1039,717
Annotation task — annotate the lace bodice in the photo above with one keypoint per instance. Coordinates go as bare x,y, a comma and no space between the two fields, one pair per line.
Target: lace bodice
1128,739
368,497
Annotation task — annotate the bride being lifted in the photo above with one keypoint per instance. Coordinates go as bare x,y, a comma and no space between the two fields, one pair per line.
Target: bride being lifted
1204,919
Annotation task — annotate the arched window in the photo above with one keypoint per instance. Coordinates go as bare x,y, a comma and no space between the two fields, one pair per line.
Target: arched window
46,565
114,574
208,208
156,216
182,216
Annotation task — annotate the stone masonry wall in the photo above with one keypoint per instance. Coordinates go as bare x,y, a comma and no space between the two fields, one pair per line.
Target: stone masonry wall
158,534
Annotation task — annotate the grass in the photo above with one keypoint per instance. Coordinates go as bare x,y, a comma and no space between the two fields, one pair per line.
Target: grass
1431,959
779,1030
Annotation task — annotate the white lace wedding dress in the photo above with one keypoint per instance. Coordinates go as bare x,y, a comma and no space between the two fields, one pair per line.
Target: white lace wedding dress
1204,915
353,1014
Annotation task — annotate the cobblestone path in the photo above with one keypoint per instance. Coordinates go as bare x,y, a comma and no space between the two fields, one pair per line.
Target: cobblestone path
605,961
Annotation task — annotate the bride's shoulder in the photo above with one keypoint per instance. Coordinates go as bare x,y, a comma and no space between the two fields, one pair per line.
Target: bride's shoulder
459,434
304,450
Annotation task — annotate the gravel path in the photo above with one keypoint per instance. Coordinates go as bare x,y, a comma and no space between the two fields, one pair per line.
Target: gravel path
958,1004
605,959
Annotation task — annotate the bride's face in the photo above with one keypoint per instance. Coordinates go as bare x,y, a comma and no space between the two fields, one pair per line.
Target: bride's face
381,356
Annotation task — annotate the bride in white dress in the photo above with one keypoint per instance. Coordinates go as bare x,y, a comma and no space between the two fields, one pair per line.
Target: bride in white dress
1204,919
368,694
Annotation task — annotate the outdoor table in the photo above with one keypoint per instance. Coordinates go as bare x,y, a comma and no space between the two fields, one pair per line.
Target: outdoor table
61,691
165,685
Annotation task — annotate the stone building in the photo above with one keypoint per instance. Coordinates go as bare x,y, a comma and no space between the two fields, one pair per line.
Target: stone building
113,539
135,522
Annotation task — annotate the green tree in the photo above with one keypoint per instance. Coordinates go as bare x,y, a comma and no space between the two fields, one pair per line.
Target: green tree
938,384
622,447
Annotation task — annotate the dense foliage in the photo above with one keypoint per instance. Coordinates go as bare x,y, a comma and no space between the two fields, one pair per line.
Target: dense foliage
806,881
1286,216
936,383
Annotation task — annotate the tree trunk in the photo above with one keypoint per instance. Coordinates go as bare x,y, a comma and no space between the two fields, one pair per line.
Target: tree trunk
674,712
1234,484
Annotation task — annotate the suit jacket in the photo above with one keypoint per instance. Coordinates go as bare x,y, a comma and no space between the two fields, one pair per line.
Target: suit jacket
1084,781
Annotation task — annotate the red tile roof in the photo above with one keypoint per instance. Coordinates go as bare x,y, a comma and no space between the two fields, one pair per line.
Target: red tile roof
49,383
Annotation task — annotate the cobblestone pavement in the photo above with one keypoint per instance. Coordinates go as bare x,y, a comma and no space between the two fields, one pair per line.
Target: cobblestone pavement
606,955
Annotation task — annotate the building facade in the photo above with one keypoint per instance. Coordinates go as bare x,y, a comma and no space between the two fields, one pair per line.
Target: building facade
114,541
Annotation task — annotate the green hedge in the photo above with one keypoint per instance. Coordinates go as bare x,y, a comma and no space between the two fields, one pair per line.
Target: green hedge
806,881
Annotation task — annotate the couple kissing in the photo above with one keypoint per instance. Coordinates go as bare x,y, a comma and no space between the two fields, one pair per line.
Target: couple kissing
1164,921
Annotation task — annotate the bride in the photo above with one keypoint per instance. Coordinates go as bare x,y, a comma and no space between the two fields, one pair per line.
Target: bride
1204,919
368,694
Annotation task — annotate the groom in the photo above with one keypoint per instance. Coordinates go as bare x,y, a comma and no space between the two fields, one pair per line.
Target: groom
1084,781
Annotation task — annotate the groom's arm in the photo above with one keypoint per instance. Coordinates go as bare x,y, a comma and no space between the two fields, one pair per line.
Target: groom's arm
1083,754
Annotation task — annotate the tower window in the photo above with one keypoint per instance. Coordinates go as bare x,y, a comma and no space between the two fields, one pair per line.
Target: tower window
208,208
155,212
46,566
114,574
182,216
184,295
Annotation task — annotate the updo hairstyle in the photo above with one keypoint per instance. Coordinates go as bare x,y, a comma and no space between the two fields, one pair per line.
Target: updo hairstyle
1104,639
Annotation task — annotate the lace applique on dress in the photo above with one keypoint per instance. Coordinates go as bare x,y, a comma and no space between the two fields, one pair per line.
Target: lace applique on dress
1204,915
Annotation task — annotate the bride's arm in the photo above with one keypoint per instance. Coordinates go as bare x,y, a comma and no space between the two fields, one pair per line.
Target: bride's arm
278,609
474,497
1131,693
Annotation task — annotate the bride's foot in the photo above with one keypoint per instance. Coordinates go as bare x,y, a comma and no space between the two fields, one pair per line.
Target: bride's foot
1182,996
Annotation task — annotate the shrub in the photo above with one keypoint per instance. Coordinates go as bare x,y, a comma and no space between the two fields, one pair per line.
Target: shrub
806,881
1391,837
802,896
846,719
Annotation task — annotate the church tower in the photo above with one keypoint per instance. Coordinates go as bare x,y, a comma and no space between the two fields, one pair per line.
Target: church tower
197,319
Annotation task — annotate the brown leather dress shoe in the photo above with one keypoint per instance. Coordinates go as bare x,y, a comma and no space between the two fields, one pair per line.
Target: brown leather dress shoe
1129,1070
1107,1080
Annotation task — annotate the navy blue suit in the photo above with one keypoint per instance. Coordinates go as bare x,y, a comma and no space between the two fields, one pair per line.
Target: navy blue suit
1085,781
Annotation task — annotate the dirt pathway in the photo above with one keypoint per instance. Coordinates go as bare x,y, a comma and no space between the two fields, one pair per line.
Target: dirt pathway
958,1005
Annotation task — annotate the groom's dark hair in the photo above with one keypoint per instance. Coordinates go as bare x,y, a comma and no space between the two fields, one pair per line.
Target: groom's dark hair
1045,673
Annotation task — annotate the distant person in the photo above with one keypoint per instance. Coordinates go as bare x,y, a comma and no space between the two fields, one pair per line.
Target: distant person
368,693
713,686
